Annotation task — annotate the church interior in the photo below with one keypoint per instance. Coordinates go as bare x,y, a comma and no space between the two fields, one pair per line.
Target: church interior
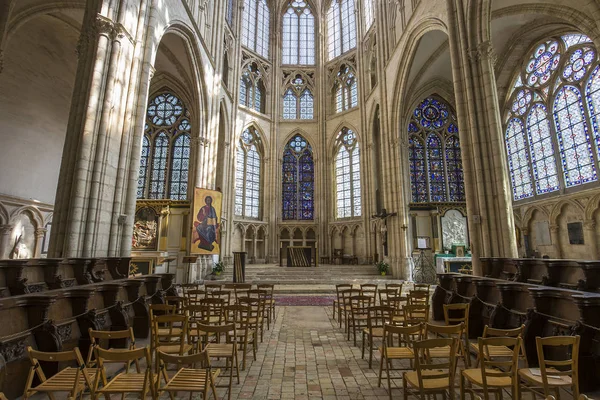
294,199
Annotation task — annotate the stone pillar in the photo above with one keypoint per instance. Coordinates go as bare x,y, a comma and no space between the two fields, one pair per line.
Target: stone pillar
39,240
590,238
5,231
488,194
94,177
555,237
254,243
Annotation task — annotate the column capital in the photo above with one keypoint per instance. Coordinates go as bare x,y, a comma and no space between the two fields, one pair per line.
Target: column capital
6,229
483,52
40,232
590,225
554,228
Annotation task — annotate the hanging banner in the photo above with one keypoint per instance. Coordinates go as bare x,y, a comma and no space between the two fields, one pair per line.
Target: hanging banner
206,233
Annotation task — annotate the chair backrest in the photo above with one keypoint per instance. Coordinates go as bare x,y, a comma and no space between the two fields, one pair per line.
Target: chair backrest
73,355
379,316
123,356
239,314
241,289
268,287
418,297
215,308
499,367
346,294
396,302
422,286
224,295
384,294
218,331
457,313
415,314
428,370
210,286
161,309
405,336
256,308
360,304
567,366
395,286
194,296
178,301
173,332
448,331
96,338
369,289
494,332
197,361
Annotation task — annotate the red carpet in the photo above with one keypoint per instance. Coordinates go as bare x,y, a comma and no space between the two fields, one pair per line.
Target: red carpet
304,300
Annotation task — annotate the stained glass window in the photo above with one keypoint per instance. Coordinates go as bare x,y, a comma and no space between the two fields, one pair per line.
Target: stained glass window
255,26
341,27
298,102
298,34
345,89
555,149
298,180
436,173
347,173
247,175
229,14
369,6
165,156
252,89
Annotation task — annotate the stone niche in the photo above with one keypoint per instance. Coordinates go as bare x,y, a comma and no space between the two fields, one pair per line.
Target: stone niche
454,229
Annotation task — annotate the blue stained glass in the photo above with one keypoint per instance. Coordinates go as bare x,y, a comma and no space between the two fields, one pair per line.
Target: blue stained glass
431,114
592,94
579,60
159,167
298,180
437,180
418,176
165,109
543,63
143,167
573,137
542,150
456,186
518,160
180,164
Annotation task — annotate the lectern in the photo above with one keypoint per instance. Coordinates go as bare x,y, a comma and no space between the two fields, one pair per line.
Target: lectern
239,267
189,260
168,261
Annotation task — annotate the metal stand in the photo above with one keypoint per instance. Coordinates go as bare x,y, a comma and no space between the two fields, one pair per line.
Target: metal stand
424,271
189,260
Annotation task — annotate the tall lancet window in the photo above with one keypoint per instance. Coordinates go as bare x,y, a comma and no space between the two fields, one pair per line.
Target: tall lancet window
436,173
552,135
298,34
298,180
345,89
298,100
247,175
255,26
347,175
341,27
165,158
369,13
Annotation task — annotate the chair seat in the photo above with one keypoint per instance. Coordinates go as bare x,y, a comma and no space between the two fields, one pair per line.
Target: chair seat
398,353
64,380
174,348
375,332
430,384
127,383
494,351
189,380
440,352
219,349
474,376
167,331
533,375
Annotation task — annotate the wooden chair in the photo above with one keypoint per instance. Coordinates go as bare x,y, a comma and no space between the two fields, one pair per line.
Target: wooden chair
397,303
73,380
359,313
178,301
377,318
500,351
337,302
194,296
224,295
216,307
173,338
384,294
96,338
241,290
197,314
405,336
124,382
453,332
395,286
369,289
456,314
418,297
270,301
241,316
193,379
415,314
547,377
344,305
261,296
224,345
493,374
422,286
431,378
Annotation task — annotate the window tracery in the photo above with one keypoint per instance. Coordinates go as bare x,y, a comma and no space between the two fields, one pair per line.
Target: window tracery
247,175
341,27
298,179
252,87
347,175
345,88
298,99
298,34
255,26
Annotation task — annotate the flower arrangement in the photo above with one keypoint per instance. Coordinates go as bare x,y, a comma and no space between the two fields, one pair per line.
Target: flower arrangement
382,267
218,268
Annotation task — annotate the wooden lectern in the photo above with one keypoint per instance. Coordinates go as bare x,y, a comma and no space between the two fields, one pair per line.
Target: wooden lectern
168,261
239,267
189,260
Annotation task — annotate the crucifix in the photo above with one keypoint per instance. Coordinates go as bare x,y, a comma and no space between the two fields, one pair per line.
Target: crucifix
383,215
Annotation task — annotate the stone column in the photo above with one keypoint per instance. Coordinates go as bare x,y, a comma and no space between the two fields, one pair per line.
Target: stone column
5,231
39,240
590,238
555,237
94,175
254,243
488,194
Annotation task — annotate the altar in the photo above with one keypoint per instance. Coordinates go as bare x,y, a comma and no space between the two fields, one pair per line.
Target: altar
442,259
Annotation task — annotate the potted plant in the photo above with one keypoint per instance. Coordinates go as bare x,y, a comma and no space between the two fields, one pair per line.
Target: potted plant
218,268
382,267
446,249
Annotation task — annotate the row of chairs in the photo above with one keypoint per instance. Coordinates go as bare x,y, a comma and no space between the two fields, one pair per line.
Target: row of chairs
196,377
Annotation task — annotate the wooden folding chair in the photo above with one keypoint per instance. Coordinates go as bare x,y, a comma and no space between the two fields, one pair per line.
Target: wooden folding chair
418,297
241,315
124,382
73,380
415,314
377,318
344,305
194,296
270,302
359,314
494,373
261,296
500,351
98,337
195,379
453,332
337,301
215,309
431,378
554,374
226,349
172,339
178,301
369,289
404,351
